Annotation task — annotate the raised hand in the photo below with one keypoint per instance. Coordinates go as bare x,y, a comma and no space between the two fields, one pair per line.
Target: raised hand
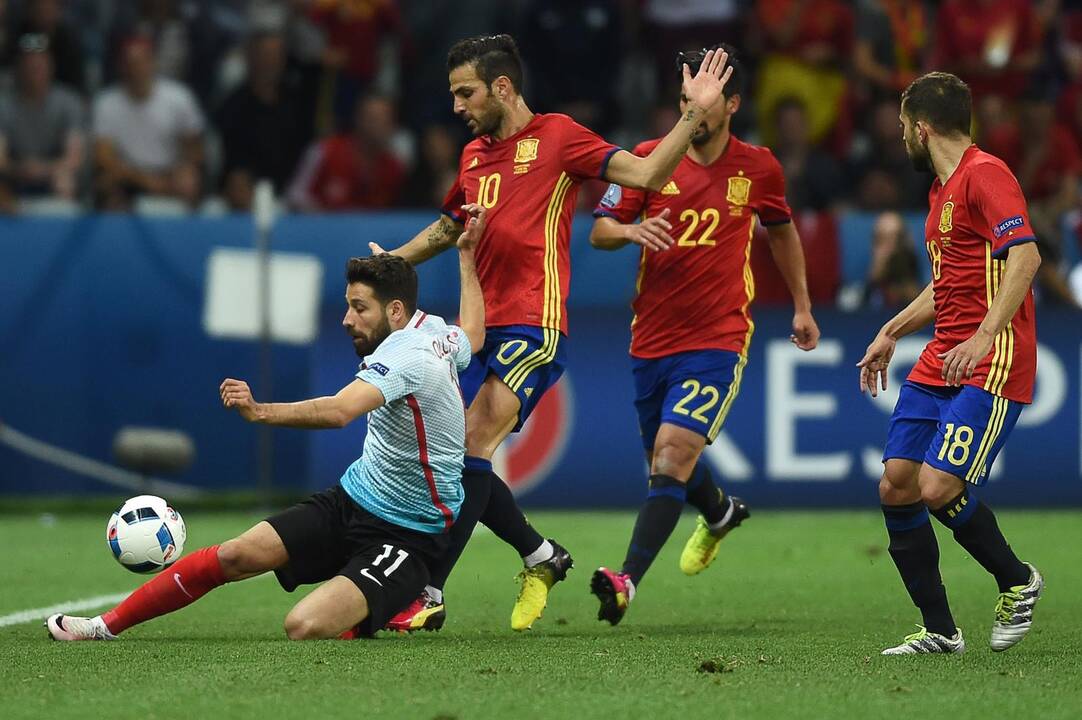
873,366
475,226
706,87
375,248
237,395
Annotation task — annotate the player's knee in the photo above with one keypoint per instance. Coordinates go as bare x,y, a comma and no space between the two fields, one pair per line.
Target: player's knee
674,458
936,491
300,625
232,558
238,559
893,491
899,485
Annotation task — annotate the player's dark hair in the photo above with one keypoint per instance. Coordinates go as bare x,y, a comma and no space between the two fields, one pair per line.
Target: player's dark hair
940,99
694,60
491,56
389,276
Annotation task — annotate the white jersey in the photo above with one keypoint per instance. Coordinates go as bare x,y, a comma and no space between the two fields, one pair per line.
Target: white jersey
410,470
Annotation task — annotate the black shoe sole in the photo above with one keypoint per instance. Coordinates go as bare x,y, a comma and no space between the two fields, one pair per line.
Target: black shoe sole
601,586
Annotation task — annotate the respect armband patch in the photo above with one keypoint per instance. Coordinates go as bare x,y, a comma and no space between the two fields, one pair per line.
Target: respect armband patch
612,196
1007,225
380,368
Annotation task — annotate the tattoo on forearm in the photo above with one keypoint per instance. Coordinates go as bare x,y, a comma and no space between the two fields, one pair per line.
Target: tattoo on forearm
689,115
440,236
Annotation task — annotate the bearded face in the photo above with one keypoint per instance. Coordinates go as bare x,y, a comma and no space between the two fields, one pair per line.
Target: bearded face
914,147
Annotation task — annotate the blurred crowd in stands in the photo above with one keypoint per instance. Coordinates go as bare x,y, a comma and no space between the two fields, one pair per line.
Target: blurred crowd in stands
169,106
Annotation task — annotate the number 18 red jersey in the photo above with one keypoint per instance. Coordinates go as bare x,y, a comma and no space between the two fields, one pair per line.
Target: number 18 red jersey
974,220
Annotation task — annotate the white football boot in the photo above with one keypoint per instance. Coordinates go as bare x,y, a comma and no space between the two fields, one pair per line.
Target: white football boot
70,627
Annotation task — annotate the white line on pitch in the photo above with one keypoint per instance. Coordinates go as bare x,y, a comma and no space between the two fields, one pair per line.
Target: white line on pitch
41,613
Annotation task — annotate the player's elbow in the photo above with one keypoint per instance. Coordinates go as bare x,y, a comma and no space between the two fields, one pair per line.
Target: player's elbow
654,181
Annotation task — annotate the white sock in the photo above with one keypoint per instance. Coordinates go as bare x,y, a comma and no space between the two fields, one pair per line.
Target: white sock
540,555
714,527
434,593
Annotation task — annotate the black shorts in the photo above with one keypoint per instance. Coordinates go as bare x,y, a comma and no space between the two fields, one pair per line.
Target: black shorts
329,534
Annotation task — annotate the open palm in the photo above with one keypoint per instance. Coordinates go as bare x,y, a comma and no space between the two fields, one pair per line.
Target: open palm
706,87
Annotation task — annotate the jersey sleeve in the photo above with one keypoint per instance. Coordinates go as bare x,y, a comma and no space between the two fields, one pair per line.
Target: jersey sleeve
463,351
455,199
395,368
586,155
1002,217
771,207
620,203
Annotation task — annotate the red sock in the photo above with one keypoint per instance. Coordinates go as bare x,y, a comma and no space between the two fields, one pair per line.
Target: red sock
179,585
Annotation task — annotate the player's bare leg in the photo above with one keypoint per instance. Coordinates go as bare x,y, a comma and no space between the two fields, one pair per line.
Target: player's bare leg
334,607
975,529
256,551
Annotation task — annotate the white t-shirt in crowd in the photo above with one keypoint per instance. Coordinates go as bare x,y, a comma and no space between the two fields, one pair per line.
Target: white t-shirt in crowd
147,133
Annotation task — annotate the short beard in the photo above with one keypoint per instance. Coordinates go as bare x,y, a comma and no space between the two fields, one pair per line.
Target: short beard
703,135
371,343
920,157
490,124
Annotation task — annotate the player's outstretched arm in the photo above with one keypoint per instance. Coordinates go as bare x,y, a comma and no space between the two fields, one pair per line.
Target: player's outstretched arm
471,309
651,233
335,411
654,170
915,315
1022,264
789,257
426,244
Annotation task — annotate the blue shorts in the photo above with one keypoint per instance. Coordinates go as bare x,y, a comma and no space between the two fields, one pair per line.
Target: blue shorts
690,389
957,430
528,359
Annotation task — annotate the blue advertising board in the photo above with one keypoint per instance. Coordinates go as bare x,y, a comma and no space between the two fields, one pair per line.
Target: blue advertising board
102,325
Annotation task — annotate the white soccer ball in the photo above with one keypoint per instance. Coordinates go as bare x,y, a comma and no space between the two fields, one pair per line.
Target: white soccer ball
145,534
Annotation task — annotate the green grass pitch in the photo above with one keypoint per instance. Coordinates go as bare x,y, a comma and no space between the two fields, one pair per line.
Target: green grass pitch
787,623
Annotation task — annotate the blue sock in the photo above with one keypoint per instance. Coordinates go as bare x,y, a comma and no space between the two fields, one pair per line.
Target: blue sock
975,529
657,519
915,552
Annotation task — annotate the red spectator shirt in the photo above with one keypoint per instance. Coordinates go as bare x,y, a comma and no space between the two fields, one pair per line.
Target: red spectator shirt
529,183
971,31
338,176
974,219
695,295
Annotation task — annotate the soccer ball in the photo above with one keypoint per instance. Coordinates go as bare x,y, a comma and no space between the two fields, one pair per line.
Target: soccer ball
145,534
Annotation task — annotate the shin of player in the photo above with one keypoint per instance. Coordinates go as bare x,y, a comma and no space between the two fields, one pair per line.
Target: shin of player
964,395
692,325
370,538
526,168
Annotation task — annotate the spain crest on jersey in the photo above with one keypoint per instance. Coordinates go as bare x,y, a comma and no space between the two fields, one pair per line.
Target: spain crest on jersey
739,190
946,217
526,150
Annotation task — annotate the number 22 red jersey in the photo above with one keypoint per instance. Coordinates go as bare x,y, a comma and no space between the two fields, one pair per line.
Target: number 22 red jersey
695,295
973,221
529,183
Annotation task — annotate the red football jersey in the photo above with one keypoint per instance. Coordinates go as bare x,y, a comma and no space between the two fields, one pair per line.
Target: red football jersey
695,295
973,220
529,183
